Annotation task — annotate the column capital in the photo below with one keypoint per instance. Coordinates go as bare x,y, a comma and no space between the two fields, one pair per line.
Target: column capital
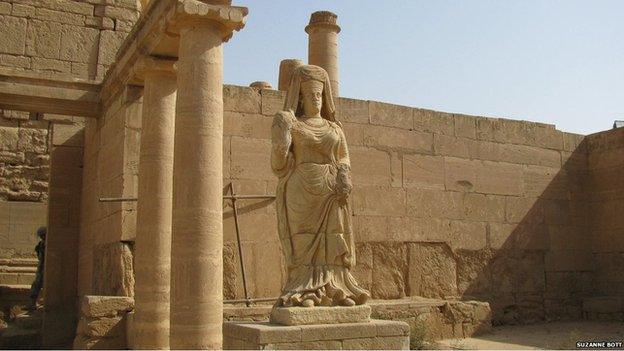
323,19
146,64
227,18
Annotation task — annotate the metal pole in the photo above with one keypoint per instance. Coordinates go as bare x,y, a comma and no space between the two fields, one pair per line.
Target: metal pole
240,248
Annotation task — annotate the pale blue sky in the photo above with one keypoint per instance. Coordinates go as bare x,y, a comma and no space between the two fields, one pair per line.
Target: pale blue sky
558,62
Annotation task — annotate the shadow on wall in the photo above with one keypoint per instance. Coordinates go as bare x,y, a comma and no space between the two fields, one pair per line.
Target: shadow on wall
543,266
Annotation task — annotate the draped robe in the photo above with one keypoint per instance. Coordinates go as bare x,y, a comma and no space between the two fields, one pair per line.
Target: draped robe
314,222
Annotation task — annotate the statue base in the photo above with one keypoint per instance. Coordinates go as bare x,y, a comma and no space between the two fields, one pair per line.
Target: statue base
372,335
320,315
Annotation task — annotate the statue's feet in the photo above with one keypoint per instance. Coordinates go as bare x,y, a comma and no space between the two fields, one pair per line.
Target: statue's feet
348,302
307,303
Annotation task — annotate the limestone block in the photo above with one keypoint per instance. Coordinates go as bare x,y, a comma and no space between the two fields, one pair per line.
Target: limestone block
14,61
480,207
68,134
122,13
378,201
59,16
547,136
272,101
389,271
320,315
9,138
106,306
369,166
20,10
570,260
434,122
461,147
391,115
397,139
353,111
425,203
87,343
43,39
372,228
473,273
241,99
363,270
545,182
240,335
250,159
529,155
499,178
466,235
523,209
465,126
13,34
33,140
102,326
43,64
432,270
114,262
423,171
5,8
79,44
110,42
247,125
124,26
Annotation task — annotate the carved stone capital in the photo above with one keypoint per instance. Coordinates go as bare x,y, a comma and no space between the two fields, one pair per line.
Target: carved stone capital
323,19
150,64
192,12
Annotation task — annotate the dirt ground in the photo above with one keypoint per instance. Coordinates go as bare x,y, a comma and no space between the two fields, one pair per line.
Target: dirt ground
556,335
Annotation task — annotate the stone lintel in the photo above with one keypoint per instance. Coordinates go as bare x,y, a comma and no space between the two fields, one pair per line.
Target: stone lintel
377,334
323,19
320,315
34,92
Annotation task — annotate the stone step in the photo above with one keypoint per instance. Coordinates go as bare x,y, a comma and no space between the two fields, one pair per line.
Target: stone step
29,321
14,337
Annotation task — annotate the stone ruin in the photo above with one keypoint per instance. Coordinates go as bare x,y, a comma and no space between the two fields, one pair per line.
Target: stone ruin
461,222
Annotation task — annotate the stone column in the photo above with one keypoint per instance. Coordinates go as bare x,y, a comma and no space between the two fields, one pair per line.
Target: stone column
286,69
323,44
197,241
152,259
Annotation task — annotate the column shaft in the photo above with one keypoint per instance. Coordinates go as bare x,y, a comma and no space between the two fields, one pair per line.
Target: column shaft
153,238
323,52
197,243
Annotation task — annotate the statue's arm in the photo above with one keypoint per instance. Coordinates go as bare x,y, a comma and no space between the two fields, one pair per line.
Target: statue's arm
344,184
281,140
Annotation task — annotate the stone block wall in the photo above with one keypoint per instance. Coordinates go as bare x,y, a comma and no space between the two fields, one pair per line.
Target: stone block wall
605,202
64,38
24,175
444,205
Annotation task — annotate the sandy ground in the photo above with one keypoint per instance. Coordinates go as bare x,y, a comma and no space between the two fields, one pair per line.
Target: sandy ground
556,335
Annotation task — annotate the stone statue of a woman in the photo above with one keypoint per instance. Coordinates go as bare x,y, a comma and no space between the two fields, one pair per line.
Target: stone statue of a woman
310,157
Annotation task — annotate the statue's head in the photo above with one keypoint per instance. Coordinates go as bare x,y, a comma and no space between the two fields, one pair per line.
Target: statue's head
41,232
310,91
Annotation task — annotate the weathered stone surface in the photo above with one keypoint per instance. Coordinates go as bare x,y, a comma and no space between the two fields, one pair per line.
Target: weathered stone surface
43,39
389,271
105,306
13,32
320,315
79,44
102,326
110,41
375,334
113,262
391,115
432,271
423,172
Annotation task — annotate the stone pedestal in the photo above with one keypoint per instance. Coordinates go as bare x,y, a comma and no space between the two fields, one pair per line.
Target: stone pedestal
320,315
375,334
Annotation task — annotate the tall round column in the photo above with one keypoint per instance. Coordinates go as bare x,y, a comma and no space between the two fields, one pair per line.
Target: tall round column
197,246
323,44
152,260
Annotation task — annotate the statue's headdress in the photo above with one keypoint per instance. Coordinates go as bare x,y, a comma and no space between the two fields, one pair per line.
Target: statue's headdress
293,98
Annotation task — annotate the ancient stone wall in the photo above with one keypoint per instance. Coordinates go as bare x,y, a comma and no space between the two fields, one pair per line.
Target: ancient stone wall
445,205
605,201
74,38
26,140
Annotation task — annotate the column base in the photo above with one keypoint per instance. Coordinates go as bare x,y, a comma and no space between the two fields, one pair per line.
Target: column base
375,334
